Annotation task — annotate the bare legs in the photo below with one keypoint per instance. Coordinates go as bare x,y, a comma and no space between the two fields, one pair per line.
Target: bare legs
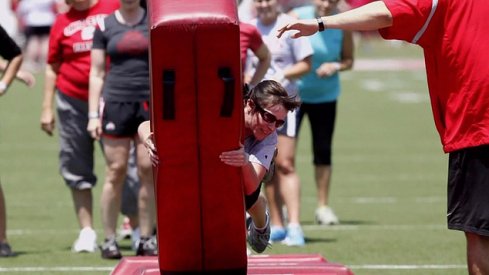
3,218
477,254
82,200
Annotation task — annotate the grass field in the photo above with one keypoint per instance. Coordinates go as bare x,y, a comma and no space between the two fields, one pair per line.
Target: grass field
388,187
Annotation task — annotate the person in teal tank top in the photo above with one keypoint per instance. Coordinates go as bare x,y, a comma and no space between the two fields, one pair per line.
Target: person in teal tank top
319,91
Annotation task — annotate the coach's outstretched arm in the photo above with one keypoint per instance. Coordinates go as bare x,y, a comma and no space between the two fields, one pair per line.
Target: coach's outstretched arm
372,16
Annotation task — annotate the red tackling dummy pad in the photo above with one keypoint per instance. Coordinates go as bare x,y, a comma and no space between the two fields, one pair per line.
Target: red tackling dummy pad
300,264
197,113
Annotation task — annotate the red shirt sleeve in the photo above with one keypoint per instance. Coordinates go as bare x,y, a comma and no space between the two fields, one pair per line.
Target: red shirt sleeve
255,39
54,50
409,17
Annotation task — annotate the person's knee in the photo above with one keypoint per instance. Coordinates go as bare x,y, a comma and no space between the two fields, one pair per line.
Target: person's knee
286,166
116,171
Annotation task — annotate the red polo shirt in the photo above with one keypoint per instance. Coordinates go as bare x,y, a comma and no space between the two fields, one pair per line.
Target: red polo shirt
455,40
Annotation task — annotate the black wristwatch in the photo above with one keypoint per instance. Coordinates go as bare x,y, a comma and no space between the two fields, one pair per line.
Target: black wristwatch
320,23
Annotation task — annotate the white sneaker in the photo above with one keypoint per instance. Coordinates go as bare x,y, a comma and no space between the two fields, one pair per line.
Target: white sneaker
326,216
86,242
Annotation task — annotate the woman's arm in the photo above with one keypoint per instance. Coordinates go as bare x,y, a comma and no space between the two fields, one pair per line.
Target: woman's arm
97,74
11,70
47,114
264,60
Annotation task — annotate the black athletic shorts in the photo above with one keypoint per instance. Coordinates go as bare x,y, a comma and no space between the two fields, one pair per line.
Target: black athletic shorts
122,119
252,198
37,31
468,190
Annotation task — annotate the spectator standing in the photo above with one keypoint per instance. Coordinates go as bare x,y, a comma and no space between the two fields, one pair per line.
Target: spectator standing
66,79
291,59
319,91
453,35
125,95
35,19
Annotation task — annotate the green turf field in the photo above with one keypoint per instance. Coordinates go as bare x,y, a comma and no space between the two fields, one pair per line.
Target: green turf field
388,185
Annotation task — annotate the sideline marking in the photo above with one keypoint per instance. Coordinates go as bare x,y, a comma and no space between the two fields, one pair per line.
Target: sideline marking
407,227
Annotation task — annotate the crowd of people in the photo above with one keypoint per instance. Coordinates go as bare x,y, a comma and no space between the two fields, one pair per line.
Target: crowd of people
292,53
95,101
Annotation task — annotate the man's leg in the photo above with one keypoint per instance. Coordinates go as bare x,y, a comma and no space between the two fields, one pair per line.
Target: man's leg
477,254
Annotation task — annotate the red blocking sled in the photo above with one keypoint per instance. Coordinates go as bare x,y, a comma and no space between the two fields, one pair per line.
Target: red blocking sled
197,113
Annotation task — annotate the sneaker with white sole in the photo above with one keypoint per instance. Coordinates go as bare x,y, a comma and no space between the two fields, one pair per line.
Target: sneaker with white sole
86,242
147,247
110,249
326,216
295,236
258,238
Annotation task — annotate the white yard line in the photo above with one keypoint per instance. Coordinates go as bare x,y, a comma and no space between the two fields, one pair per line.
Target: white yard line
406,227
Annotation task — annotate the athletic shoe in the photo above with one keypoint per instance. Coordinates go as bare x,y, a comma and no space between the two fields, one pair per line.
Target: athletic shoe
277,233
126,230
258,239
295,236
326,216
110,249
86,242
5,250
147,247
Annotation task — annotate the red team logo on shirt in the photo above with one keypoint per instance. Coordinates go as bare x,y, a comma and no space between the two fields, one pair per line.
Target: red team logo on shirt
133,43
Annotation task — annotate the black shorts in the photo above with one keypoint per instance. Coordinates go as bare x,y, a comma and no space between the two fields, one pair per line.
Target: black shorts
122,119
37,31
252,198
468,190
322,118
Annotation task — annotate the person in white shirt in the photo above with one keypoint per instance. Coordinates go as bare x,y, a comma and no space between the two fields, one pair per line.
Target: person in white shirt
291,59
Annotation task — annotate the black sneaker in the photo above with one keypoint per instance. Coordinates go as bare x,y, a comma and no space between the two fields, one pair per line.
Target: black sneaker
110,249
5,250
147,247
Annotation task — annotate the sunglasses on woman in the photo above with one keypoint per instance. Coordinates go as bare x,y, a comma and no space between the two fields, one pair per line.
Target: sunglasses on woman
269,117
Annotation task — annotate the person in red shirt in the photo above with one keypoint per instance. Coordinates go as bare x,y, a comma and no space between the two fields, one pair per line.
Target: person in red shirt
453,35
250,39
66,79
